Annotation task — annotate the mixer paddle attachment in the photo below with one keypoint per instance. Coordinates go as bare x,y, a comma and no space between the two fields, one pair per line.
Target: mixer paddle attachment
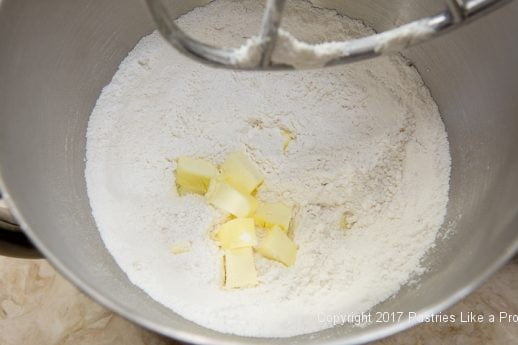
456,14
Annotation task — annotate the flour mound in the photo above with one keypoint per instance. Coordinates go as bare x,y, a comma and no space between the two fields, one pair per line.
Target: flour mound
369,142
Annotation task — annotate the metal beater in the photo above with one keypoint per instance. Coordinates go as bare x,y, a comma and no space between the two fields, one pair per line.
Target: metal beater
456,14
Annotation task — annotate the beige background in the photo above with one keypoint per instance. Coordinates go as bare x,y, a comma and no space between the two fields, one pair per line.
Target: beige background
38,306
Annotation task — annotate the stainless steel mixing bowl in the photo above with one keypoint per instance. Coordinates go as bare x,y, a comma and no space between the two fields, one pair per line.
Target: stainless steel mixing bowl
56,55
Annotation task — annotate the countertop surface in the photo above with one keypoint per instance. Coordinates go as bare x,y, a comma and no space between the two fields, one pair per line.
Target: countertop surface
38,306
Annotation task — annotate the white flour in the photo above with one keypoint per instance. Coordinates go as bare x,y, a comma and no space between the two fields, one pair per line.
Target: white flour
369,140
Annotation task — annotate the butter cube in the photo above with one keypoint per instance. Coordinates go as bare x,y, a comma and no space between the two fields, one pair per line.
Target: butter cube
229,199
194,175
241,173
237,233
276,245
269,215
240,268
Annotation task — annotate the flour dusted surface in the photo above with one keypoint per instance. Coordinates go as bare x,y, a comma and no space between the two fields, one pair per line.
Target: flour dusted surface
369,141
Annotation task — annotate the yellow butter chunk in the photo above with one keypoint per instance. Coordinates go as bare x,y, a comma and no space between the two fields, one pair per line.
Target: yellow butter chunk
240,268
237,233
269,215
194,175
276,245
241,173
224,196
